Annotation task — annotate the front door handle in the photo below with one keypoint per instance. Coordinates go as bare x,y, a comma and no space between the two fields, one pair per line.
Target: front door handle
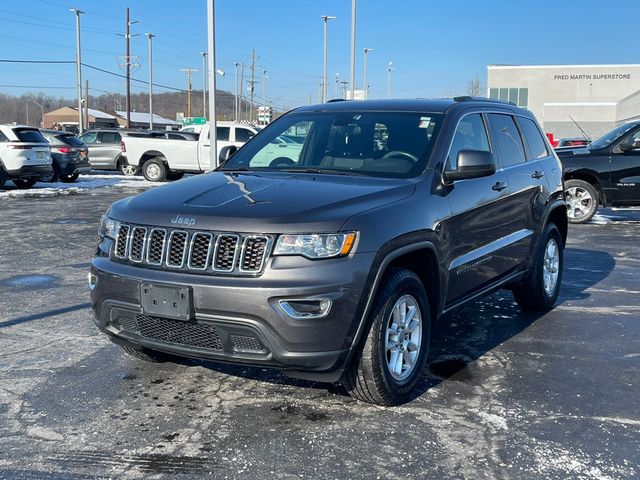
538,174
499,186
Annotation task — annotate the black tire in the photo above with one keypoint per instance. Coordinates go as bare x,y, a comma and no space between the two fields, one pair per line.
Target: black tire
69,178
155,170
50,177
582,200
126,169
369,377
171,175
23,183
531,294
147,354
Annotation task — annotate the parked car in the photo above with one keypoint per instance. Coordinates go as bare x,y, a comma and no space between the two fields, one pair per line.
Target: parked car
606,173
24,155
105,149
70,157
168,159
334,267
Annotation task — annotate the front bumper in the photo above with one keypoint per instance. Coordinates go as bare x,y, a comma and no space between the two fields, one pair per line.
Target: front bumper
28,171
237,319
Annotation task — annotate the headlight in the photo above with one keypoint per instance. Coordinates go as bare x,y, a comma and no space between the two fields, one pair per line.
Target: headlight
317,245
108,227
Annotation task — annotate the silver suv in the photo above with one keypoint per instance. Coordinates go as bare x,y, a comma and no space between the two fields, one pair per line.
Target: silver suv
105,150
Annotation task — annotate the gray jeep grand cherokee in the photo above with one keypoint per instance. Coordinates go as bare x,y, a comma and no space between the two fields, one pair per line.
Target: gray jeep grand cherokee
334,264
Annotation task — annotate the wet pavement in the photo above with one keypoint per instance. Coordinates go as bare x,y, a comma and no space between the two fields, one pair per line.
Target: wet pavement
505,394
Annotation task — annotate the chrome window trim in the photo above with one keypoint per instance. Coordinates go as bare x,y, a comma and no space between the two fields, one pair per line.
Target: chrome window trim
164,244
209,251
184,250
236,253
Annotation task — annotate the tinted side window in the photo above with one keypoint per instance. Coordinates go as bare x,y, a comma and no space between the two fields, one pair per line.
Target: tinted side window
89,137
507,138
470,134
222,133
3,137
243,135
537,146
30,135
109,137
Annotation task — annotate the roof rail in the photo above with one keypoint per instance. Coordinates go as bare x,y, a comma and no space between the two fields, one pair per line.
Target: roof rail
469,98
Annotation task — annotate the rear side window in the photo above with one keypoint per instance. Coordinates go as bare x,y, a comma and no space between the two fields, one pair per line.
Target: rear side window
29,135
222,133
470,134
243,135
507,139
109,137
3,137
70,140
537,146
89,137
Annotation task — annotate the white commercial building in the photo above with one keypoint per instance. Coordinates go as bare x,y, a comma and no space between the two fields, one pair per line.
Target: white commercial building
597,97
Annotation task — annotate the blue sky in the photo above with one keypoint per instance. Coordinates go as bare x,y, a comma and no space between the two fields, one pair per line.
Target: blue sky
436,46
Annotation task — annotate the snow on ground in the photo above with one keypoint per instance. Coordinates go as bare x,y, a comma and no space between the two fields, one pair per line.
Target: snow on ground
84,184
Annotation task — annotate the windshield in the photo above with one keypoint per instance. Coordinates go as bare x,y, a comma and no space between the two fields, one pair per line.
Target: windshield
610,137
381,144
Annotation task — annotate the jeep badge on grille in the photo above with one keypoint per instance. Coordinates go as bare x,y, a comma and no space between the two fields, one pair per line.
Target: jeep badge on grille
179,220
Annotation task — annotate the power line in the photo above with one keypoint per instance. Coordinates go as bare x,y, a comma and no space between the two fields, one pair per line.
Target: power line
5,60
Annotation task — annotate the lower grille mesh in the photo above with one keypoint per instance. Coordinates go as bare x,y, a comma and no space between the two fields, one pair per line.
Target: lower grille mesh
166,330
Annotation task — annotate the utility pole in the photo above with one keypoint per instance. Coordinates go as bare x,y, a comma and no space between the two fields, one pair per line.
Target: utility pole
86,104
235,104
78,68
335,91
128,63
352,76
326,19
344,88
240,108
204,84
150,37
252,83
211,47
264,87
364,73
189,72
389,69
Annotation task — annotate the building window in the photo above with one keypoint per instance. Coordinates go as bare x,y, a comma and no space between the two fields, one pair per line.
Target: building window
518,96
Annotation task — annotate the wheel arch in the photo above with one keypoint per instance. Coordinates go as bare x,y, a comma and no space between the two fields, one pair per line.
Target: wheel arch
149,154
557,214
590,178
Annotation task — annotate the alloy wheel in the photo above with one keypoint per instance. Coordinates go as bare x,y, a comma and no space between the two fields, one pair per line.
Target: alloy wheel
579,202
403,337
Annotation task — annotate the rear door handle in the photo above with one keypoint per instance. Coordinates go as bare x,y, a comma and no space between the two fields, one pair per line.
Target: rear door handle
538,174
499,186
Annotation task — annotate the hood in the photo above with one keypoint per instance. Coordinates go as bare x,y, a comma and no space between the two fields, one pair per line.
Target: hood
260,202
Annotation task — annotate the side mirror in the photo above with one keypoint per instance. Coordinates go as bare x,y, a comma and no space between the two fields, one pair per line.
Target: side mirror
226,153
472,164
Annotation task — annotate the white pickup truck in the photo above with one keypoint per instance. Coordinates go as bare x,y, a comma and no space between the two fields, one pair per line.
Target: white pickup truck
163,158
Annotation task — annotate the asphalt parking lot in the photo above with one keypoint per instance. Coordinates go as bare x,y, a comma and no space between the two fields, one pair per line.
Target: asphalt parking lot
505,395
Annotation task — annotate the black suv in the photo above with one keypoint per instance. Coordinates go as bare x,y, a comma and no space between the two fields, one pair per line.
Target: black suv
333,265
606,172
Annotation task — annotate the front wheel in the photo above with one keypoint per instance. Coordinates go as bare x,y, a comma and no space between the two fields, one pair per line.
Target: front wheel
540,289
582,200
25,182
154,170
395,352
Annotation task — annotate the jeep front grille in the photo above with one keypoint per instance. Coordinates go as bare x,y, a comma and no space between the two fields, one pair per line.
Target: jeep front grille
193,251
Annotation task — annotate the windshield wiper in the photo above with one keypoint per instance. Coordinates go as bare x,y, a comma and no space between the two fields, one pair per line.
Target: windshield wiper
329,171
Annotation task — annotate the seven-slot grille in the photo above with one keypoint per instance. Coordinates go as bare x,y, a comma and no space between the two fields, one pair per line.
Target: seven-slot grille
205,252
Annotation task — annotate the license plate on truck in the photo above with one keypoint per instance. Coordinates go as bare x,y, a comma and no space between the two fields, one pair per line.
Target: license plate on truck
166,301
40,155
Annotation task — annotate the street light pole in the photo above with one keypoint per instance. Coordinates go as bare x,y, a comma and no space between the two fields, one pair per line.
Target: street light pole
78,12
204,84
211,48
364,73
264,88
150,36
352,76
326,19
389,69
335,92
235,104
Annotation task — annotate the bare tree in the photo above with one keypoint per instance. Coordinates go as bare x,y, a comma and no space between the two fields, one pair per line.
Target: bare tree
474,88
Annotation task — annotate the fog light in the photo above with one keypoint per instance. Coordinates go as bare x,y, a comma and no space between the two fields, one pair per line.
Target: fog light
92,281
306,308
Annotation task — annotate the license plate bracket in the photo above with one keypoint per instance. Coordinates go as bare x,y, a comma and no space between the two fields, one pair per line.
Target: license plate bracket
40,155
166,301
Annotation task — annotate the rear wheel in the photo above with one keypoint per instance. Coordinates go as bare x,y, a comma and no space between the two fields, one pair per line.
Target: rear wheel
25,182
395,351
582,200
50,177
126,169
69,178
539,291
154,170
